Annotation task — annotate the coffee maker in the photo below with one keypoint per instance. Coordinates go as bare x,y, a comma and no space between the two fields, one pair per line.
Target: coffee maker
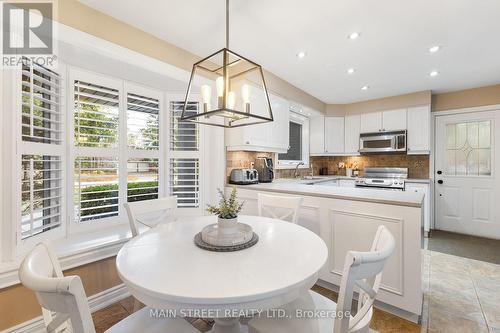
264,166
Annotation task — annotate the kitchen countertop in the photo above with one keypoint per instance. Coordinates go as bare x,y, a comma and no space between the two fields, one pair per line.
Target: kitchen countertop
313,187
332,177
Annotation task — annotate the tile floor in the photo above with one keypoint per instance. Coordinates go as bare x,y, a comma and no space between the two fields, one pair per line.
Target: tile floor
472,247
460,296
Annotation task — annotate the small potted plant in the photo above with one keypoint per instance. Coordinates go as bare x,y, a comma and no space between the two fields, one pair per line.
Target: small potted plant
227,212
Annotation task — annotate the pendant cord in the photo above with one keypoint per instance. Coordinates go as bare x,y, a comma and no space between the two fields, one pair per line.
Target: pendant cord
227,24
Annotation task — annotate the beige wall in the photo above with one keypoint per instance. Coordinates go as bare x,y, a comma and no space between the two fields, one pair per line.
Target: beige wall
18,304
386,103
482,96
76,15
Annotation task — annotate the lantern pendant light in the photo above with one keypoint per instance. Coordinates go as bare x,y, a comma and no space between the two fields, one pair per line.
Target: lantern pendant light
241,93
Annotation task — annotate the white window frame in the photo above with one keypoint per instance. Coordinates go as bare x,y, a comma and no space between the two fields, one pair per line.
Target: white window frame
24,148
123,152
74,152
170,154
291,164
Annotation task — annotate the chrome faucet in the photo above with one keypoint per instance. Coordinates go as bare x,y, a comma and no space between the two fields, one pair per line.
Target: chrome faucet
296,173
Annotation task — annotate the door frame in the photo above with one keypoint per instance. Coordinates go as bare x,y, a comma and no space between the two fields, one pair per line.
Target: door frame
432,157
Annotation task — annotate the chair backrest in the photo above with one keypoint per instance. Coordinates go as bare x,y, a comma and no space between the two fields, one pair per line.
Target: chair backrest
40,271
136,208
279,207
364,270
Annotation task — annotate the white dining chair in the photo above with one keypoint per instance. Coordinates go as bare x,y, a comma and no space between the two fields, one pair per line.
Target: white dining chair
64,303
361,269
137,209
279,207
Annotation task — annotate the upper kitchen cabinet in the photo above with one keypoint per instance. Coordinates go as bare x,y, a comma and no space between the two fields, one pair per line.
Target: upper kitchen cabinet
392,120
317,135
371,122
334,135
352,129
269,137
419,123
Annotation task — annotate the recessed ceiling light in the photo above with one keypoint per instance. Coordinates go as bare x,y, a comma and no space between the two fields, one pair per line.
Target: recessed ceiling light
301,54
434,73
351,71
434,49
354,35
365,87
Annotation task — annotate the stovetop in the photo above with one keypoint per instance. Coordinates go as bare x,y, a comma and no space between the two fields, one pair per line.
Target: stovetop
384,178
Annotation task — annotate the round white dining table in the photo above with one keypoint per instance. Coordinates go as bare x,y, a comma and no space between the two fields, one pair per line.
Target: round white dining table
165,270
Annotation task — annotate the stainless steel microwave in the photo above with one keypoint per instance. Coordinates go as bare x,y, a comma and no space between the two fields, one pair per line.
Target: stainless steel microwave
382,142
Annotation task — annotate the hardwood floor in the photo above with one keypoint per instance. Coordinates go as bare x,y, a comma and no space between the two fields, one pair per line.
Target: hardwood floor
382,322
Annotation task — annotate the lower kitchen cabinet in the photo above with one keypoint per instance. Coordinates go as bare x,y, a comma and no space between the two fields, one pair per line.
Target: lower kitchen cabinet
425,189
350,224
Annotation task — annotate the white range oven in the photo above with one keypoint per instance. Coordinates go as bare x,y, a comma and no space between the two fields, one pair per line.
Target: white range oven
383,178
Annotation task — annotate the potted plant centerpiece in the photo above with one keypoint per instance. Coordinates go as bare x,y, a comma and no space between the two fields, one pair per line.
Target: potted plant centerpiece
227,212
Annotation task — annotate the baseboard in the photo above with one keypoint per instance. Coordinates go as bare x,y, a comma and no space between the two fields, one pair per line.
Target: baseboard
96,302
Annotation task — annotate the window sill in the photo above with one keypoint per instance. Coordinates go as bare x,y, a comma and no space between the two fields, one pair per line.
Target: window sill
76,251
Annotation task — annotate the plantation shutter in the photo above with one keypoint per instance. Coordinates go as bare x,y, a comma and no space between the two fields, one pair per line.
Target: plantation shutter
184,161
96,188
96,165
96,115
41,111
142,122
184,181
143,141
40,158
183,135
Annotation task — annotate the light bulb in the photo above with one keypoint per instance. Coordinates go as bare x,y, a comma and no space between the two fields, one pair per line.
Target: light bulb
245,93
219,83
231,100
206,93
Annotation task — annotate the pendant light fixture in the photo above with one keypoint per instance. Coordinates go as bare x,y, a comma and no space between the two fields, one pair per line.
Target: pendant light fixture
237,95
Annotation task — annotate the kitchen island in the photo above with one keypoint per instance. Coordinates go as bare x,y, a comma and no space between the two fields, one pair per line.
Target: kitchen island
346,219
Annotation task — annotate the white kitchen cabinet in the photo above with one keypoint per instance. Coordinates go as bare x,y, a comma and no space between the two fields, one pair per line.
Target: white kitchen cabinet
394,120
334,135
352,129
425,189
269,137
317,135
371,122
419,132
347,183
348,224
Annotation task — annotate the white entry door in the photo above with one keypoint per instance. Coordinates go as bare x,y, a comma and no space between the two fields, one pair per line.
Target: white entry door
467,184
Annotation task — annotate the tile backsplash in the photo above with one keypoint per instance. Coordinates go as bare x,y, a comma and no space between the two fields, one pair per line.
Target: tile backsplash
418,165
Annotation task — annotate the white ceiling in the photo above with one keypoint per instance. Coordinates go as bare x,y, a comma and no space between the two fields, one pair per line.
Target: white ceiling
391,56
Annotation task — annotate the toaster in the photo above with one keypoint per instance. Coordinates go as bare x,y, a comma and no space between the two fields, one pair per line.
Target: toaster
244,176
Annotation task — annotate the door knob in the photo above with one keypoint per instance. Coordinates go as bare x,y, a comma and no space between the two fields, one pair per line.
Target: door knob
439,172
440,181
